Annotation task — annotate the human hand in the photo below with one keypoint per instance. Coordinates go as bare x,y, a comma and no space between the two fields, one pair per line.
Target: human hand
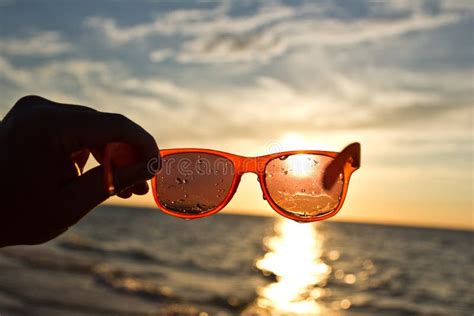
44,147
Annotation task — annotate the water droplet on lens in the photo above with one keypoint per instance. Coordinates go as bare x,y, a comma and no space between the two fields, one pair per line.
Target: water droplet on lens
283,157
218,195
303,190
185,195
269,175
216,184
172,202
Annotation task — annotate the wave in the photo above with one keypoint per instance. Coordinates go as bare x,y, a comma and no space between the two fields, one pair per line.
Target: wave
50,260
80,244
117,279
129,283
125,282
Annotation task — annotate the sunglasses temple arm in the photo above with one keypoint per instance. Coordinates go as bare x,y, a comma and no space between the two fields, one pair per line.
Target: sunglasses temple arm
349,154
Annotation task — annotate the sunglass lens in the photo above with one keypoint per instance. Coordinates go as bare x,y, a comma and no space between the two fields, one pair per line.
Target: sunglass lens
194,183
295,184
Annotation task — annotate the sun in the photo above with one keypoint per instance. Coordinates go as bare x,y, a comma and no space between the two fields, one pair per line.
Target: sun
293,141
300,165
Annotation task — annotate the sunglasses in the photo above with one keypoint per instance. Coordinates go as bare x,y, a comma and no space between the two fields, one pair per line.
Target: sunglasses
302,185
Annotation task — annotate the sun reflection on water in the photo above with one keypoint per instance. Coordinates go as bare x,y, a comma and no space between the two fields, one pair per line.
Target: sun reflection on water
294,257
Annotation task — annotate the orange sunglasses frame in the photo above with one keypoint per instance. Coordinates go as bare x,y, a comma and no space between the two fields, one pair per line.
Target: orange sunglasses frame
345,162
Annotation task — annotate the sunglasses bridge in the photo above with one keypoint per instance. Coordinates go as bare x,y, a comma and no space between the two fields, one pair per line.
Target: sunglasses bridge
251,165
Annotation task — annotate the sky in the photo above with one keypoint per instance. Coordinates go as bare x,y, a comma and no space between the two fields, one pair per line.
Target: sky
250,77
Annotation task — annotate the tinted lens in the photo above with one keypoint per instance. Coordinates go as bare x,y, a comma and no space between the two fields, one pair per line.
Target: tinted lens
194,183
295,184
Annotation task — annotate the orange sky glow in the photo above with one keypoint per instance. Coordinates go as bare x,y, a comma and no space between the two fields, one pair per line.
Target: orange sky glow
247,78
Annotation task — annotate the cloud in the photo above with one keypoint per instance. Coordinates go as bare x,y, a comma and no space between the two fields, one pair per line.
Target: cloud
158,87
267,43
115,35
48,43
264,106
71,80
224,48
215,36
13,75
188,23
410,115
59,75
160,55
327,94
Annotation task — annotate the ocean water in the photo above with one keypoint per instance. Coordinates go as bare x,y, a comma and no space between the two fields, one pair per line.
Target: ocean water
131,261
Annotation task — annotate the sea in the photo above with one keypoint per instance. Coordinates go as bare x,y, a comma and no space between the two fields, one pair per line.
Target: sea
138,261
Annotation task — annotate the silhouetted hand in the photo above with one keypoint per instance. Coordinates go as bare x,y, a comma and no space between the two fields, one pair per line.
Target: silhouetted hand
43,148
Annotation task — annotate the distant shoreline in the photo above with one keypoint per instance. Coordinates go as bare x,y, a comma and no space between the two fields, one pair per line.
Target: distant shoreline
245,214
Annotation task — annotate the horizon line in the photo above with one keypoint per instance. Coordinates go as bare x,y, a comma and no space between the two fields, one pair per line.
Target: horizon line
467,228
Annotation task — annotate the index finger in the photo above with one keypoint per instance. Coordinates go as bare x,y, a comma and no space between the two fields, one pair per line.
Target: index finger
96,129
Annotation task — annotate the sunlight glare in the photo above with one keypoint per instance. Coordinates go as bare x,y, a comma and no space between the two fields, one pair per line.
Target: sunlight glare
301,165
294,256
297,141
293,141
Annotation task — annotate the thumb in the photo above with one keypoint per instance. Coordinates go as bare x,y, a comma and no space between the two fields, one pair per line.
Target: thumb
126,177
84,193
132,169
